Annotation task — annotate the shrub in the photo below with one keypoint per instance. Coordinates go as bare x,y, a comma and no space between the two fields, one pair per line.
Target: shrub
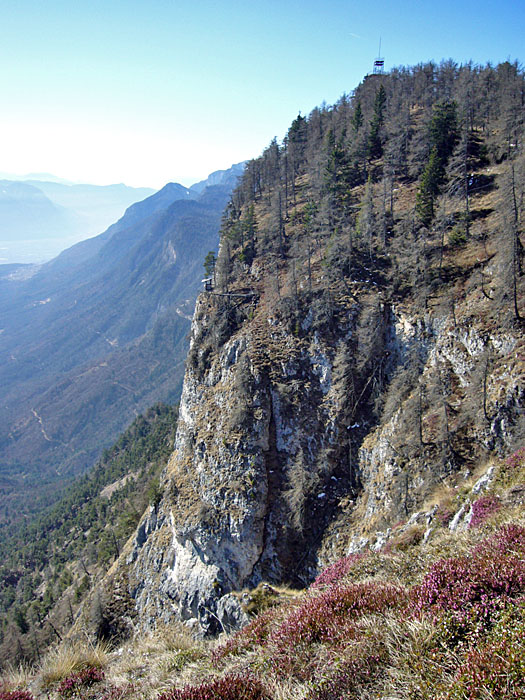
483,508
15,695
328,616
512,470
264,597
444,514
230,687
517,459
255,633
496,668
336,571
509,540
72,685
457,236
466,593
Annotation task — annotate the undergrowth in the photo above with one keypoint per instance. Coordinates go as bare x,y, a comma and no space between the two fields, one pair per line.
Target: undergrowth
440,620
361,630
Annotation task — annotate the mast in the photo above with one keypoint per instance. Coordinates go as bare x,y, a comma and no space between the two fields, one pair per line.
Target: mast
379,63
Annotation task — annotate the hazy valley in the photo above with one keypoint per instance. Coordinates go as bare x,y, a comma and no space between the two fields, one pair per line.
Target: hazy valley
98,335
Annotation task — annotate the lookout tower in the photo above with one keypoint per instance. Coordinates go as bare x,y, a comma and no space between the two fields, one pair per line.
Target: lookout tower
379,63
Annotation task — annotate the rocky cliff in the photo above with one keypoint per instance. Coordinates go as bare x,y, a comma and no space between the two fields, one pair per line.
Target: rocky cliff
354,361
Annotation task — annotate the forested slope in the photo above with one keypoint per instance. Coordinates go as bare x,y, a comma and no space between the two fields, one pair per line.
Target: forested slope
50,562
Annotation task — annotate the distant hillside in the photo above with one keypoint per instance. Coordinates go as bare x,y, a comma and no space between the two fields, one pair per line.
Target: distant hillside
27,212
95,337
220,177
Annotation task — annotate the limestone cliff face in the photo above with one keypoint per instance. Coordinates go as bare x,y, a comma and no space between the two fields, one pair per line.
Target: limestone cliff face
280,464
259,466
398,463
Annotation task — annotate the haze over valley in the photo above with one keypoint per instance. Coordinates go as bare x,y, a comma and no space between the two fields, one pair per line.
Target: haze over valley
40,218
97,335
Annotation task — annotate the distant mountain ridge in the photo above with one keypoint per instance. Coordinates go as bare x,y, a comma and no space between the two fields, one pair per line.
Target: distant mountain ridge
220,177
39,218
99,334
25,210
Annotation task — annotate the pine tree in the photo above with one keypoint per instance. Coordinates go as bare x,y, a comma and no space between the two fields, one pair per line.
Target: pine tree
209,263
366,221
375,145
429,187
443,133
443,130
357,117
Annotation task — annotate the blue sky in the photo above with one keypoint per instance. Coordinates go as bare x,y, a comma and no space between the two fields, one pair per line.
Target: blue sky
150,92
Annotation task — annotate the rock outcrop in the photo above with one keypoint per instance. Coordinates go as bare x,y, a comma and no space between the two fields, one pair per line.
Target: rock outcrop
277,468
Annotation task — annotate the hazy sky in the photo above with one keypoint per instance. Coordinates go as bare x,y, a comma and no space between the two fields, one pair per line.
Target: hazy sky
156,91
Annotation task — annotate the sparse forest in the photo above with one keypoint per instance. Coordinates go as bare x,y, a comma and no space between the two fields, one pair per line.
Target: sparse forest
411,190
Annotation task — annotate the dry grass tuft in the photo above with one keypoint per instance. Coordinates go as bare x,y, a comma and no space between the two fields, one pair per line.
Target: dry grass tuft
168,656
17,677
69,658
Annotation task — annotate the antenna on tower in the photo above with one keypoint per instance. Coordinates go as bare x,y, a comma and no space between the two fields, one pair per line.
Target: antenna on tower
379,63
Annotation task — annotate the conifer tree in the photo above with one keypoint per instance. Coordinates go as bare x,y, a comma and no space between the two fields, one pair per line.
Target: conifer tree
429,188
366,221
209,263
443,134
357,117
375,146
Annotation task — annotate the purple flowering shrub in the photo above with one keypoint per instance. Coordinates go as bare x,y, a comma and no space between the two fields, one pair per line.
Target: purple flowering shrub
230,687
330,616
325,624
468,592
509,540
444,514
517,459
288,644
15,695
254,634
495,668
336,571
74,684
512,471
483,508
